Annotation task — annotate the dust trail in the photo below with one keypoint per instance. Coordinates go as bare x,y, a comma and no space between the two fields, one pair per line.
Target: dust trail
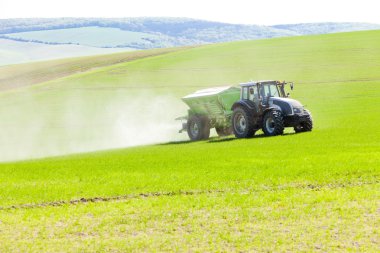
42,125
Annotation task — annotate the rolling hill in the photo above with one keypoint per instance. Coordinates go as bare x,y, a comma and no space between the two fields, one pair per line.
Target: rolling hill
35,39
15,52
87,36
22,75
154,32
316,191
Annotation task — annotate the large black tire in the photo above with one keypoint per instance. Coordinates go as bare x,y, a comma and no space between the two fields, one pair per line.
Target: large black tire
305,126
242,123
223,131
206,128
198,128
273,123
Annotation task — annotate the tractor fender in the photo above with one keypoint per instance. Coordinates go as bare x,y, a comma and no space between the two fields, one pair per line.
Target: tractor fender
245,104
272,108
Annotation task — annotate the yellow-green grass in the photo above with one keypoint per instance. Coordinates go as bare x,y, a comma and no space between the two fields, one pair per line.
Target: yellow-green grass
316,191
23,75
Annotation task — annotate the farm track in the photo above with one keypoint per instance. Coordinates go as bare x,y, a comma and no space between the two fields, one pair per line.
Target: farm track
105,199
312,187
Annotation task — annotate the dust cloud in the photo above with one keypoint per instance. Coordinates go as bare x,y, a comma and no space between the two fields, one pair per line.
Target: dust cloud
37,126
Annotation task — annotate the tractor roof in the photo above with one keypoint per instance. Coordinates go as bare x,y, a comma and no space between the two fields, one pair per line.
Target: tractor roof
258,82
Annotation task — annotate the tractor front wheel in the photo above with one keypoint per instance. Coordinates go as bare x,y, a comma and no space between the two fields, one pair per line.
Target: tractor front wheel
273,123
305,126
198,128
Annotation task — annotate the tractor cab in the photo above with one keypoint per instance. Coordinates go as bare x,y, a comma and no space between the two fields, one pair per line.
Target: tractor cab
260,92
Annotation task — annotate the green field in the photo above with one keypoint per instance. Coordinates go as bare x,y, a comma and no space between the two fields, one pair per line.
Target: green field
87,36
316,191
24,75
15,52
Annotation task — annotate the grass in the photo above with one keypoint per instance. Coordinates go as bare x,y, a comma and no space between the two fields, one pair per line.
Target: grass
23,75
316,191
282,220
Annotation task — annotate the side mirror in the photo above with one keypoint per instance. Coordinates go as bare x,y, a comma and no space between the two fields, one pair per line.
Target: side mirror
251,91
291,86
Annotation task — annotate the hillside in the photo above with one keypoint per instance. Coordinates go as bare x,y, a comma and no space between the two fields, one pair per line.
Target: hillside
316,191
14,52
321,28
142,33
88,36
22,75
33,39
106,100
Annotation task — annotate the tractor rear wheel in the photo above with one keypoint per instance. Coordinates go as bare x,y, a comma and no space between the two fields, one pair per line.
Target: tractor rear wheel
242,123
273,123
305,126
198,128
223,131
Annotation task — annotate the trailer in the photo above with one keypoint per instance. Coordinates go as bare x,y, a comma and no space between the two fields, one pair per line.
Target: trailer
209,108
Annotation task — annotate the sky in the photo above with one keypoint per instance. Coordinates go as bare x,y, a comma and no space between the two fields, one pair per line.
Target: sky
263,12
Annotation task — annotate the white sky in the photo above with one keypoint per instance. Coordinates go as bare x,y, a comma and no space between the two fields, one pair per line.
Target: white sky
263,12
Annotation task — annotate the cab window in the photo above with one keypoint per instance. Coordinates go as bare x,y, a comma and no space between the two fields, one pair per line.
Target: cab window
244,94
269,90
253,95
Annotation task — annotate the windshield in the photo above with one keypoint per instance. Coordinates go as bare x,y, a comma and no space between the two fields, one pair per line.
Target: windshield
269,90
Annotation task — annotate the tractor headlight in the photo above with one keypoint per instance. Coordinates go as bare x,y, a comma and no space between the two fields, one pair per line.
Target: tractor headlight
298,110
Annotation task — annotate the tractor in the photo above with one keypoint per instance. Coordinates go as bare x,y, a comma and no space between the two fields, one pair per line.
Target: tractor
243,111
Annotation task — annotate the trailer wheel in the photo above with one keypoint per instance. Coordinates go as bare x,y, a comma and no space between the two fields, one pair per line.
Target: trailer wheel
242,123
198,128
305,126
205,128
273,123
223,131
